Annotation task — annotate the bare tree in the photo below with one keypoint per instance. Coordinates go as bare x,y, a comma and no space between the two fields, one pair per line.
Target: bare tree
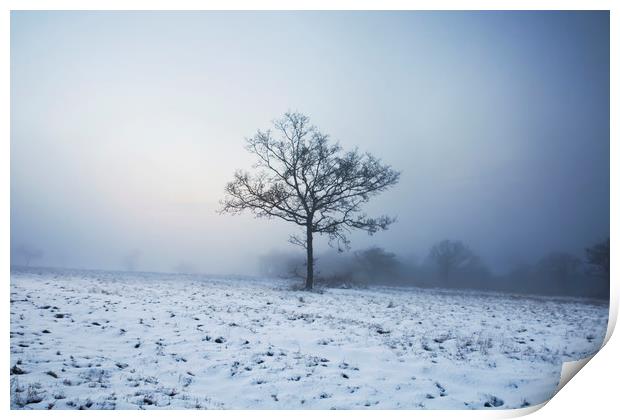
452,257
558,272
304,179
598,258
28,253
378,265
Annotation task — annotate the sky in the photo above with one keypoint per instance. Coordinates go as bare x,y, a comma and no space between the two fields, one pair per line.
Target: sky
126,126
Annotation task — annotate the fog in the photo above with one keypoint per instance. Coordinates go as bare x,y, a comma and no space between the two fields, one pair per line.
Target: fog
126,126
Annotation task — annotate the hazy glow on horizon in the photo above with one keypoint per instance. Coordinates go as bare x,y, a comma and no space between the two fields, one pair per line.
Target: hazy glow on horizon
125,127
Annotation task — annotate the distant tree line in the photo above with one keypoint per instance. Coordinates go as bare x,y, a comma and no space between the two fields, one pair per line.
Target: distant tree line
452,264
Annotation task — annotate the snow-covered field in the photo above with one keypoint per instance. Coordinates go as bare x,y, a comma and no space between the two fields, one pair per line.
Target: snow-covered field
93,339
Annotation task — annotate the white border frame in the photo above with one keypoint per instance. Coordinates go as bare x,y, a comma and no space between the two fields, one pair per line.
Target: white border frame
595,386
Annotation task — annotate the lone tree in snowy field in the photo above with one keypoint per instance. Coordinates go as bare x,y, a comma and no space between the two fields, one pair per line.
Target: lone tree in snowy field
304,179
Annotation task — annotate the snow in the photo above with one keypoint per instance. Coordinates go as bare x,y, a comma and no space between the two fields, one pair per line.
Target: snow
102,340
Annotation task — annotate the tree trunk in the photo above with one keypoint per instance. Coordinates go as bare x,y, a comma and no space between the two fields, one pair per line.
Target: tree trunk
309,259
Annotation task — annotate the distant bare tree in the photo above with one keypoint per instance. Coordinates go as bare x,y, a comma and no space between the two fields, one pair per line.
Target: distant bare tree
598,258
28,253
304,179
450,257
559,271
378,265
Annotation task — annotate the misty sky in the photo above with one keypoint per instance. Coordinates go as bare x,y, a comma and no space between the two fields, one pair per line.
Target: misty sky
126,126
